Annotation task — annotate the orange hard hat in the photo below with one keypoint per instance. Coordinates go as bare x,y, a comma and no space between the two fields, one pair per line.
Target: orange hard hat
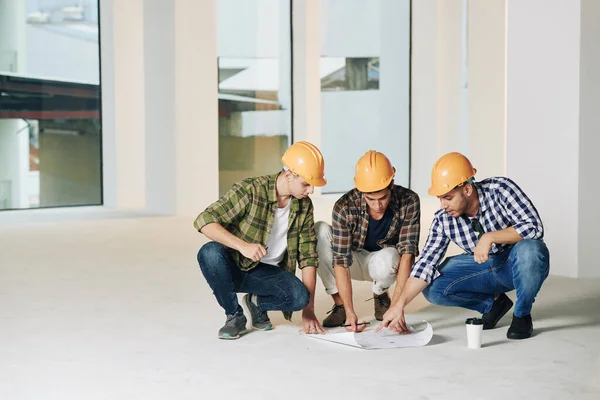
450,171
305,160
374,172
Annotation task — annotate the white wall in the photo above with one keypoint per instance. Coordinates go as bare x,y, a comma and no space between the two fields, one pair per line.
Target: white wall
543,118
589,139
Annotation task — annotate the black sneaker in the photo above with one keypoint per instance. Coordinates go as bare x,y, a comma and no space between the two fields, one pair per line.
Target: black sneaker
382,304
259,318
500,307
337,317
520,328
234,327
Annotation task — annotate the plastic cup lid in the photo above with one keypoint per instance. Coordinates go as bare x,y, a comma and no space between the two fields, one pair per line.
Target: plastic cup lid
474,321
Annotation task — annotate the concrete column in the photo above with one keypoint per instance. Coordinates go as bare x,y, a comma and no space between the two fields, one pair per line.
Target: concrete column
13,40
486,123
14,133
307,76
436,86
159,110
196,106
123,105
14,163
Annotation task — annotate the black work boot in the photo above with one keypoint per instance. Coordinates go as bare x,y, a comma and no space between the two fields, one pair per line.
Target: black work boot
382,304
520,328
500,307
337,317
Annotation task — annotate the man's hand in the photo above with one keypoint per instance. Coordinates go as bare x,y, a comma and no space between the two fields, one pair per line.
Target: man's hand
310,323
253,251
352,320
393,319
482,250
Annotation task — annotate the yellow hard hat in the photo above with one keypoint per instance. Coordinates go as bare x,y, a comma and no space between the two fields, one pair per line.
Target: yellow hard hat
305,159
374,172
450,171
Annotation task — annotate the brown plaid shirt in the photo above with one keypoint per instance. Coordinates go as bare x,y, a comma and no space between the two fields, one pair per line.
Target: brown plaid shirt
248,212
351,223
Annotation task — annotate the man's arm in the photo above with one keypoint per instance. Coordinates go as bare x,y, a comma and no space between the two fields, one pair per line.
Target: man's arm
342,259
215,231
309,319
408,241
394,317
481,253
307,262
228,210
525,219
422,274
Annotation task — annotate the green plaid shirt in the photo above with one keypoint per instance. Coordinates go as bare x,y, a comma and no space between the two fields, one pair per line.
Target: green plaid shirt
248,212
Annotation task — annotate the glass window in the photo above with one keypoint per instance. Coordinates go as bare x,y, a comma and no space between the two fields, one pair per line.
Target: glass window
50,136
365,86
255,94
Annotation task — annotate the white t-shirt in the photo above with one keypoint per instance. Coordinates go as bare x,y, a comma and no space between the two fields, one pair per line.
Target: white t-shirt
277,242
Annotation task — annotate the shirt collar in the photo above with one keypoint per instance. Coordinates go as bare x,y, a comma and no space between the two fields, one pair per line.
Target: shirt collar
272,193
484,202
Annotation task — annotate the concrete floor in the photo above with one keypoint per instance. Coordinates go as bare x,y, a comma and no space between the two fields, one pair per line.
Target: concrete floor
116,308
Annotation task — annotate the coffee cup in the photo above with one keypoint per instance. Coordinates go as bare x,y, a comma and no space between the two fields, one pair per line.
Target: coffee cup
474,332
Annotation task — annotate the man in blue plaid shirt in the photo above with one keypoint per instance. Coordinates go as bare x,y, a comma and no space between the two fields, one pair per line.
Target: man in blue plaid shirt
500,230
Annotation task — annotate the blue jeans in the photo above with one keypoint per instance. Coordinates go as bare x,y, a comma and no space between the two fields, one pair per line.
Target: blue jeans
464,283
276,289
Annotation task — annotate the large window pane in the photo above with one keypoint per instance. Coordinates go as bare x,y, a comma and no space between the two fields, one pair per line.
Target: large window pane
50,136
365,86
254,48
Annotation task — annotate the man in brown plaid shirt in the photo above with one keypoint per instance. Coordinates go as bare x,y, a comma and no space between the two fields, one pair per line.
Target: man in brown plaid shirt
261,229
374,237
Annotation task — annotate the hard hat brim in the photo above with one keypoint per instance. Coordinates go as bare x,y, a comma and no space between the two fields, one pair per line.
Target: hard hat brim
318,182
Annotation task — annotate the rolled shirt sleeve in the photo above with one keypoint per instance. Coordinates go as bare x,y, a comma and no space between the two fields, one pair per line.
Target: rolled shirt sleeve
410,231
523,214
307,241
435,248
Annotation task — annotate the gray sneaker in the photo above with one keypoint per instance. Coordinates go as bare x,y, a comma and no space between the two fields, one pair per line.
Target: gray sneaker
234,327
259,318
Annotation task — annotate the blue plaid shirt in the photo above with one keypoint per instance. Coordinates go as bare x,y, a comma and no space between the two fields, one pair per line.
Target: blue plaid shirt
502,204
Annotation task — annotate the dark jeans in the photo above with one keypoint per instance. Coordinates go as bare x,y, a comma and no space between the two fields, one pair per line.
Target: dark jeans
276,289
464,283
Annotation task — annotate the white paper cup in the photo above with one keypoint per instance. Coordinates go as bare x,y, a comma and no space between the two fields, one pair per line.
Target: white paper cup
474,332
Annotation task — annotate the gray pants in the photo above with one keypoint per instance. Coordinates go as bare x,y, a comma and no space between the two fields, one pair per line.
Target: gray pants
379,267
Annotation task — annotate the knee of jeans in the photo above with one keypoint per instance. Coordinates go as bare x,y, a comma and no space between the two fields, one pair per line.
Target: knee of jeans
300,298
433,295
209,253
384,264
532,252
323,231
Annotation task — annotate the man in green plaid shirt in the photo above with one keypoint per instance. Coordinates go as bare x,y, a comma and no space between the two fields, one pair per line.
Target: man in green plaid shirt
260,230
